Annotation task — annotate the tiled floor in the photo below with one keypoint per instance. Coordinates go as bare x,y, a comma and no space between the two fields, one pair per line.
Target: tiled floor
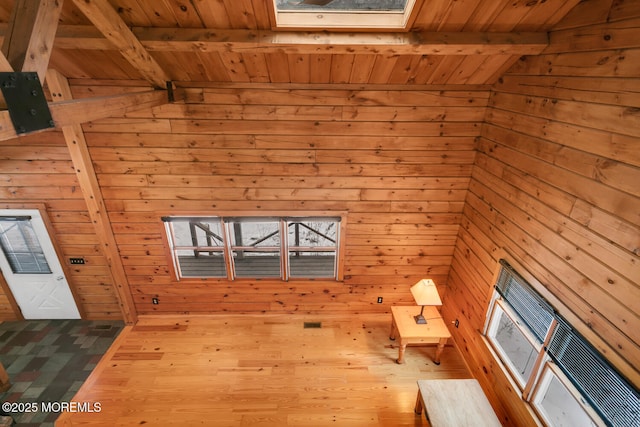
48,360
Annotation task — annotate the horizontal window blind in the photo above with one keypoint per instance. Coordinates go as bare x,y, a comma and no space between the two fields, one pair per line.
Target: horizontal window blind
531,307
610,395
19,242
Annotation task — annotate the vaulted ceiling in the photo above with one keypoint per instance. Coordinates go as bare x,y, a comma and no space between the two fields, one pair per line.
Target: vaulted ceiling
191,41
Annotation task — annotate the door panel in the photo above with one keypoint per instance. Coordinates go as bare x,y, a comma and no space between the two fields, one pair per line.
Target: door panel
31,268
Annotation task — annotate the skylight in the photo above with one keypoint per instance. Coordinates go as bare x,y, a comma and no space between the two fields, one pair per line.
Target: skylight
355,14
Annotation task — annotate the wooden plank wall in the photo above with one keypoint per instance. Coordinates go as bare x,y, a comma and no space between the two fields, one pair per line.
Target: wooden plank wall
398,160
555,185
37,169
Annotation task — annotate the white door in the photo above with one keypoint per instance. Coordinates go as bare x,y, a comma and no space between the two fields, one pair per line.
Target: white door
31,267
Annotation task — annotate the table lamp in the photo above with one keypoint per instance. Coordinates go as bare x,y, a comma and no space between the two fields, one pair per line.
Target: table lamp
425,293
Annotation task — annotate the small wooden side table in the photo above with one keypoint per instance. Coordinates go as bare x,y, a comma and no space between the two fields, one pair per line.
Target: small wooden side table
455,403
404,325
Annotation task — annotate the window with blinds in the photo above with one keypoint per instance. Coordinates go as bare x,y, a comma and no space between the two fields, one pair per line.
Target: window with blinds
20,245
536,313
560,374
605,390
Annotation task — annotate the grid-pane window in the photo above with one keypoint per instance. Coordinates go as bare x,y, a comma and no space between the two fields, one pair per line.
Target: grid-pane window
254,247
312,247
198,246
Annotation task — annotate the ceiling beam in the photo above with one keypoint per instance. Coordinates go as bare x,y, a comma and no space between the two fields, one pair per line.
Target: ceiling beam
414,43
30,35
78,111
424,43
114,29
83,166
5,67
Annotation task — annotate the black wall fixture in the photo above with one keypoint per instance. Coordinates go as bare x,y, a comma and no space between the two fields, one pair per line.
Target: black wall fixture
26,102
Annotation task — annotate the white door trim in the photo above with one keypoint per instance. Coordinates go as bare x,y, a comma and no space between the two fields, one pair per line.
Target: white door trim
43,295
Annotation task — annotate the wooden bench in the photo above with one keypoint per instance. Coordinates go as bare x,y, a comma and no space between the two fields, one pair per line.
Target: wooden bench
455,403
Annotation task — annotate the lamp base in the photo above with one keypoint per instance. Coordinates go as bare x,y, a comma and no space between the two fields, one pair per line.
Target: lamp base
420,320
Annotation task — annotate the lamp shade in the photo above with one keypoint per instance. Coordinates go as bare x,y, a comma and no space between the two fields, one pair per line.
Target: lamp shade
426,293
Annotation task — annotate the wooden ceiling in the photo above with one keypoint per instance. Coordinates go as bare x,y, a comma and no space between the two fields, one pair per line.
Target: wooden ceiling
202,41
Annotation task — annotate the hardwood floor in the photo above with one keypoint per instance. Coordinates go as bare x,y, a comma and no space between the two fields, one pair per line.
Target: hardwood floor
259,370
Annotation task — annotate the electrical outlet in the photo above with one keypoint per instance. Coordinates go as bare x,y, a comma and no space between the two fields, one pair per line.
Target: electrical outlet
155,301
456,323
76,260
379,300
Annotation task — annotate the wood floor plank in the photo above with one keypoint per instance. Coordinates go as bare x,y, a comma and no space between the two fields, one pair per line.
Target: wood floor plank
259,370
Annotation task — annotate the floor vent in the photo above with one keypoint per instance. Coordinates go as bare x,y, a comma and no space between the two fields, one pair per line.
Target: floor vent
102,328
311,325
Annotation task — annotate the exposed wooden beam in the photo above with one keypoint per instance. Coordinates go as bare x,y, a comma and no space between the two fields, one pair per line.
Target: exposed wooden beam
344,43
5,383
83,166
111,25
75,112
67,113
425,43
30,35
5,67
157,39
15,311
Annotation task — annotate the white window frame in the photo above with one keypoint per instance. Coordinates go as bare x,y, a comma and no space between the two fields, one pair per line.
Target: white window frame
288,248
501,307
174,248
328,18
549,372
545,368
23,251
234,247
